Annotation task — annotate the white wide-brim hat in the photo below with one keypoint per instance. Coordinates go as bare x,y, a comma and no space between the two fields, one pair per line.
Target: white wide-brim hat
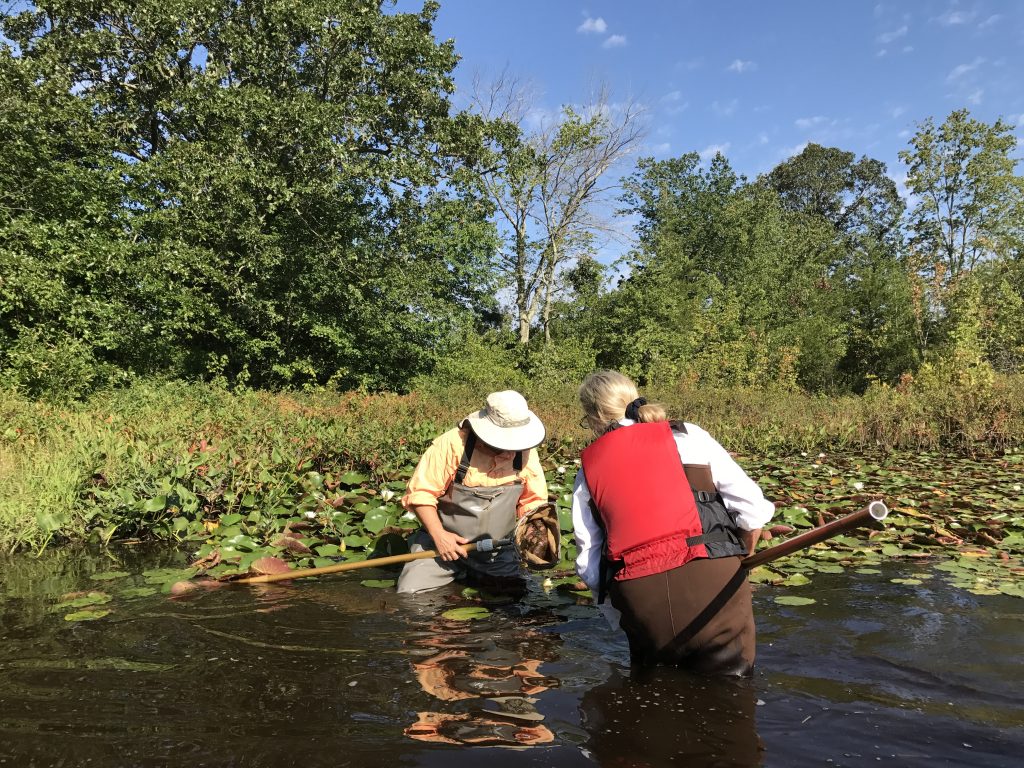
506,423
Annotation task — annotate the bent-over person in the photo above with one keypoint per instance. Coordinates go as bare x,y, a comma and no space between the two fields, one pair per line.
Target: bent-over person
663,517
473,483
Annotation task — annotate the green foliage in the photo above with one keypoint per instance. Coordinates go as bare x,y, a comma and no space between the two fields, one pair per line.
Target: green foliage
970,203
273,194
181,462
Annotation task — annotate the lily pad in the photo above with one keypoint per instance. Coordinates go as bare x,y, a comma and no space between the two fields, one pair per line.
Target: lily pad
379,583
88,615
109,575
90,598
268,565
794,600
467,614
138,592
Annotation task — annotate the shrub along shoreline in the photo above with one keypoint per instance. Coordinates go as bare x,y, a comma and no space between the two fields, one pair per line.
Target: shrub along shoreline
171,460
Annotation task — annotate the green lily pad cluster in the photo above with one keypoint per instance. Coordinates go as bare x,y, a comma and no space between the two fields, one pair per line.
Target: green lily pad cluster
92,604
962,516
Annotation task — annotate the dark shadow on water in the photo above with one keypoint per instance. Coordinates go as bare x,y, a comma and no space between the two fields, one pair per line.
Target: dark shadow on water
663,717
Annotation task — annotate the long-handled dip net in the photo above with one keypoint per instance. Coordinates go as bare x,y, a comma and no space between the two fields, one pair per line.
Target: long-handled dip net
537,538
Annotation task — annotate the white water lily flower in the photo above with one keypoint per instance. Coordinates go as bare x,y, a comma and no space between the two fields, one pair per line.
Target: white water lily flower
803,453
560,470
409,516
311,515
821,455
859,486
386,495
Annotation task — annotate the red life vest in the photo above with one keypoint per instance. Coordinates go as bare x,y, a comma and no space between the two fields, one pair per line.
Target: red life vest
645,503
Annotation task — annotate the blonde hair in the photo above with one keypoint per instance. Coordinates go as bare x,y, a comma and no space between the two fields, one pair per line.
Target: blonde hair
605,395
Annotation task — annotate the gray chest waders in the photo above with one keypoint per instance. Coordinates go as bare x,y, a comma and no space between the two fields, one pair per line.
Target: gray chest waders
480,513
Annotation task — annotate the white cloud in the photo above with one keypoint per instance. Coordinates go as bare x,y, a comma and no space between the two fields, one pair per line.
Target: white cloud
537,118
962,69
989,21
673,101
785,152
881,53
806,123
954,18
724,108
974,97
662,149
592,26
887,37
614,41
714,149
908,49
900,181
895,112
739,66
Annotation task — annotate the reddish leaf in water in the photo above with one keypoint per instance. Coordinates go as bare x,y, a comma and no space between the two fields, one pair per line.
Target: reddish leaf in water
779,530
208,562
183,588
267,565
291,544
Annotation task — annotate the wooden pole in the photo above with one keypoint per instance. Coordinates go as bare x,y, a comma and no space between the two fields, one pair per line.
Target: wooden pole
873,514
372,563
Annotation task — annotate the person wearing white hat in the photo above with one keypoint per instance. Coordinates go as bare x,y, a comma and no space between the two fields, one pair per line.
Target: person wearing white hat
473,483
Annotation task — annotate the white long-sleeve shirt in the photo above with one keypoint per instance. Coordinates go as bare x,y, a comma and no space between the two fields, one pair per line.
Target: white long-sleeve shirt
742,496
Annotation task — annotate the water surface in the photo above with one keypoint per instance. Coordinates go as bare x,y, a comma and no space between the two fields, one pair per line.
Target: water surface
328,672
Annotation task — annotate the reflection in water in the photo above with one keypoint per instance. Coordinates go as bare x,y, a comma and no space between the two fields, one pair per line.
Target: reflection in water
334,674
491,684
665,716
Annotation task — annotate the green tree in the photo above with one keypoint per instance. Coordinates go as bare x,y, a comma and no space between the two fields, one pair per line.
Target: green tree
723,288
547,186
866,275
255,190
970,202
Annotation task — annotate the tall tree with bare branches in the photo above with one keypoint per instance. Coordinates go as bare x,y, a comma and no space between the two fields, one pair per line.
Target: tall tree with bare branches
548,183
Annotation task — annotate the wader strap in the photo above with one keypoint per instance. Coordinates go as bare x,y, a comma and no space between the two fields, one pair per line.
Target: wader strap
717,537
467,454
606,570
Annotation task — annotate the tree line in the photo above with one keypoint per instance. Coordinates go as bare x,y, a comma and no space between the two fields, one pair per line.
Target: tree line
282,194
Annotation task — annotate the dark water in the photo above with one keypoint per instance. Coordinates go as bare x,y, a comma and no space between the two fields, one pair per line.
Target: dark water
331,673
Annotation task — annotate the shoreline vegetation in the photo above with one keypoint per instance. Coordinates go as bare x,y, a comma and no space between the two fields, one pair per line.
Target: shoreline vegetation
314,477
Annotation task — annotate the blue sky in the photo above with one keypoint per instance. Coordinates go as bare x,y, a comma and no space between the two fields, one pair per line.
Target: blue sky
758,79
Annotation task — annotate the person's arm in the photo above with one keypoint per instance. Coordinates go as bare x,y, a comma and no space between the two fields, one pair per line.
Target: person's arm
535,486
589,547
434,472
589,536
